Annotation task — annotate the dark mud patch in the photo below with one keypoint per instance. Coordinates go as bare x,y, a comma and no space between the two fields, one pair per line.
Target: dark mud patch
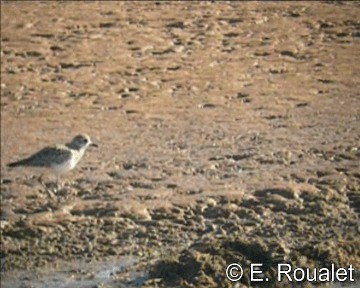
319,234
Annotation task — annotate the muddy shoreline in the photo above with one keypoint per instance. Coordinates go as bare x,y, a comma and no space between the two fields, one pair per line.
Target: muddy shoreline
227,132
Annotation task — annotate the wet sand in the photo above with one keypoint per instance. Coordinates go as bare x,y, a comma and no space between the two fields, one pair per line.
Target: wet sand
226,132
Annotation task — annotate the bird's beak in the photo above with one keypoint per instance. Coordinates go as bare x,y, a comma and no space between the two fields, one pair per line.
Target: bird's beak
94,145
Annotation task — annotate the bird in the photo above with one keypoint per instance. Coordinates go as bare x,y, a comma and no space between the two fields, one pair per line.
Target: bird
59,158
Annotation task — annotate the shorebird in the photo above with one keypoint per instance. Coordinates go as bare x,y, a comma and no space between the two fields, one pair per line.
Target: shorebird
59,158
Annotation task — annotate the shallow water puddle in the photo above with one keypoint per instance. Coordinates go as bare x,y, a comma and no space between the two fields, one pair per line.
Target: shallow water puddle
77,274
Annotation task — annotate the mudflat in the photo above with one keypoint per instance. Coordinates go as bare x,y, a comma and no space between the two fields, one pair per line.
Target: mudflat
227,132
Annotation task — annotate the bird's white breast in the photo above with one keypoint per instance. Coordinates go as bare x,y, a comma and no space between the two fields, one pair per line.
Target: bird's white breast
69,164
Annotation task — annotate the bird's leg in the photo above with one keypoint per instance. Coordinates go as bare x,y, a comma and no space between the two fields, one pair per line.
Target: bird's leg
57,182
61,191
41,181
46,186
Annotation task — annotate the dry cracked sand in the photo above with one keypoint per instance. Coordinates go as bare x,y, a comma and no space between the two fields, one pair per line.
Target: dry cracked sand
228,132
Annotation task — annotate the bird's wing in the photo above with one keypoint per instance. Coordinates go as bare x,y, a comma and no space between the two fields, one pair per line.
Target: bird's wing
46,157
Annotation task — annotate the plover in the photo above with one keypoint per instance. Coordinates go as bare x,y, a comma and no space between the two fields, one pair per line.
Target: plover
58,158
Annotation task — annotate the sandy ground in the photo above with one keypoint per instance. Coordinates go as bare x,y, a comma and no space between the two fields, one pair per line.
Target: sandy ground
206,115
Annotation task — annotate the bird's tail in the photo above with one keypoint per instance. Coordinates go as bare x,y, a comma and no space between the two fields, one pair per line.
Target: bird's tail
17,163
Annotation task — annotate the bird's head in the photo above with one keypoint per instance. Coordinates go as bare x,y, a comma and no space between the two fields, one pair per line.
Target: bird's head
81,141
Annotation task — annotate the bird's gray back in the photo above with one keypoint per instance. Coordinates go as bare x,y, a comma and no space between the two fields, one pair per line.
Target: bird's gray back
48,156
